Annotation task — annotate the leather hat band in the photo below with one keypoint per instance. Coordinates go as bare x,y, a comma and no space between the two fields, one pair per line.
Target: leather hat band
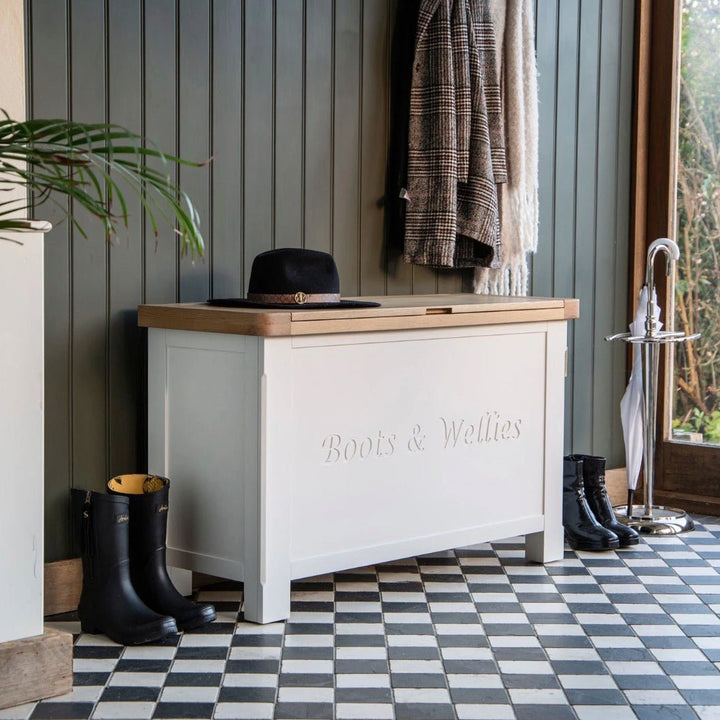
298,298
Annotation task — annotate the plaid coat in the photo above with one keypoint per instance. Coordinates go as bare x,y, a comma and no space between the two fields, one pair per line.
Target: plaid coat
456,153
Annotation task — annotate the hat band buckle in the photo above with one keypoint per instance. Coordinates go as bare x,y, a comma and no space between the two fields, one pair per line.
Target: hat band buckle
298,298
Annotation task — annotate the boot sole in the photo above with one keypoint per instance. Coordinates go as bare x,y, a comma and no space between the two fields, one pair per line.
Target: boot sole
630,543
150,634
593,547
198,621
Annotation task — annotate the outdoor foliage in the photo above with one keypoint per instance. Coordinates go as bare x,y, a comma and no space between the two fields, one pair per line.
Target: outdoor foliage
697,297
95,166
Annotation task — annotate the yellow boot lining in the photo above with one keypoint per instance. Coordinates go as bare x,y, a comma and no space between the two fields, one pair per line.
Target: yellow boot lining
137,484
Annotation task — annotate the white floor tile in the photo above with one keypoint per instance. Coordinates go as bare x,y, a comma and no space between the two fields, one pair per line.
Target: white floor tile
108,710
189,694
360,653
309,641
244,711
641,667
485,712
412,641
552,696
349,680
307,666
604,712
587,682
466,653
210,640
654,697
468,680
416,666
421,695
697,682
359,711
249,680
249,652
306,694
81,693
198,666
707,712
525,667
149,652
19,712
138,679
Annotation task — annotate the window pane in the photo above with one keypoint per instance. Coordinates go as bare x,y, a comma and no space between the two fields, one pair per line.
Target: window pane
696,415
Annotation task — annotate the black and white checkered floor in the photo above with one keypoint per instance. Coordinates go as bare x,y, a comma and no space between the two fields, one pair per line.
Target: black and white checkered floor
474,633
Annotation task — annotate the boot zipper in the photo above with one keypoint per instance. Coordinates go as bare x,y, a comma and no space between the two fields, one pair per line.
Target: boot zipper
88,548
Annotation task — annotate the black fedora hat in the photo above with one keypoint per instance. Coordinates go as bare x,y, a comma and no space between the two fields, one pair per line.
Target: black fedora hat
293,278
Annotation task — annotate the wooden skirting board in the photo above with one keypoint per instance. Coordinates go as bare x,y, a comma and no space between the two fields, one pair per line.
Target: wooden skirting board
63,582
616,483
35,668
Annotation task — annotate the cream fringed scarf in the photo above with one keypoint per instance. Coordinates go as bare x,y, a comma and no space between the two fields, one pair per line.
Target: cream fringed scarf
514,29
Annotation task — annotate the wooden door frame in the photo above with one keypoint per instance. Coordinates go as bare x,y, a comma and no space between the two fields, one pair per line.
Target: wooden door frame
687,475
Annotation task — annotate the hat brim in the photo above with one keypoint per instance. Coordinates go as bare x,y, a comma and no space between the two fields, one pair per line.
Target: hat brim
241,302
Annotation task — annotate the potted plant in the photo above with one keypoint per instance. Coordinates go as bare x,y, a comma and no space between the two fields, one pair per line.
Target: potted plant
96,167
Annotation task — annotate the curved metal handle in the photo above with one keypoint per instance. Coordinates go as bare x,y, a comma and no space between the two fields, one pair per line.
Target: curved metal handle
672,253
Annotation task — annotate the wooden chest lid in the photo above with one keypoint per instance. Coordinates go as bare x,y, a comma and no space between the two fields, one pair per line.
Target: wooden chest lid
396,312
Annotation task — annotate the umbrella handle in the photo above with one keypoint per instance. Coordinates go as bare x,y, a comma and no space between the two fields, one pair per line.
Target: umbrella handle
630,499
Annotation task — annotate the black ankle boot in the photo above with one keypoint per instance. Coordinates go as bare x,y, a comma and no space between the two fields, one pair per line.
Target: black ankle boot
582,530
109,603
148,496
599,502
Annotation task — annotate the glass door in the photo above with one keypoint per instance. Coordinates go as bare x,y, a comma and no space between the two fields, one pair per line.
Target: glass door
677,195
696,375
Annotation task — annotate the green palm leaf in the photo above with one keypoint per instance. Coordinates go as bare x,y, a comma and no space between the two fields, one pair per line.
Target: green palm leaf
96,166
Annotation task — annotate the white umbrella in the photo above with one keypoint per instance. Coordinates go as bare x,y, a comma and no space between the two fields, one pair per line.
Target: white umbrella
631,405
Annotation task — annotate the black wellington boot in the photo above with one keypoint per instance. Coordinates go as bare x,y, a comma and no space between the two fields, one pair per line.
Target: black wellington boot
109,603
599,502
148,496
582,530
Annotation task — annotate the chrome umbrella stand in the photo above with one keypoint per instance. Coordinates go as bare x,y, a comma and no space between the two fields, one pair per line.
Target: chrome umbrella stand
648,518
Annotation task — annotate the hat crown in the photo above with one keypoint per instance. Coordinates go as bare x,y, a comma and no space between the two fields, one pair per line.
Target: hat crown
292,270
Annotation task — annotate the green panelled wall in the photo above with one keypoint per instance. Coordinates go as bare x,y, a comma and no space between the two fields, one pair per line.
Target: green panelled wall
290,98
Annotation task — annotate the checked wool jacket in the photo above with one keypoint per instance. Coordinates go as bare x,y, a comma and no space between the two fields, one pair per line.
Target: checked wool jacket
456,153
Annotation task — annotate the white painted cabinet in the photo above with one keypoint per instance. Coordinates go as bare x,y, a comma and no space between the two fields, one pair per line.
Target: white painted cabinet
21,435
300,443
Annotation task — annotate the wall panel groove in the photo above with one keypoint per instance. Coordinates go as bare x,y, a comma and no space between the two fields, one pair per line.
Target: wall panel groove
291,99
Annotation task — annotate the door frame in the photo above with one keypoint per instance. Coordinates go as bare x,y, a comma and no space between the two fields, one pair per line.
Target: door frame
687,475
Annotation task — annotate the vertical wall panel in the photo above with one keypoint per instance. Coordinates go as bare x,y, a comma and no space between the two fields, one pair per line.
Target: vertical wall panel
607,245
126,258
375,102
399,273
194,108
160,126
608,420
89,285
318,123
49,98
291,99
258,130
289,125
546,40
585,213
566,145
346,143
584,52
226,168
